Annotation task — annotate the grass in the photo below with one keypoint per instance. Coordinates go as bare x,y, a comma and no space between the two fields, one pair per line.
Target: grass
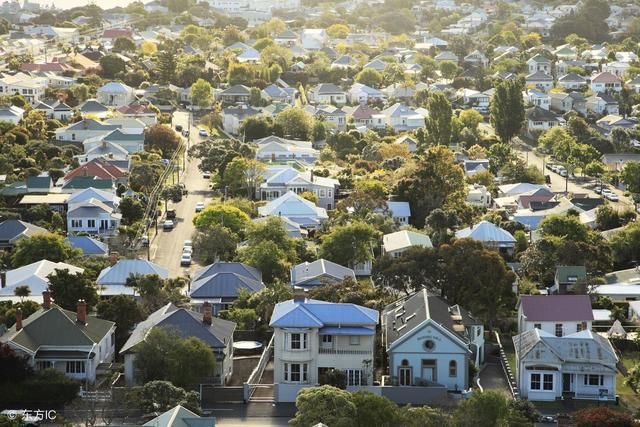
507,345
628,398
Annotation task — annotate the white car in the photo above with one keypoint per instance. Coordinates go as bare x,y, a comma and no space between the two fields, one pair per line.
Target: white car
185,259
187,244
187,250
611,196
206,175
199,206
168,225
563,173
203,133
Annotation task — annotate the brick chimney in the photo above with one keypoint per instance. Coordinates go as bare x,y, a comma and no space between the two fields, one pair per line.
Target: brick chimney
299,295
81,316
18,319
46,300
206,313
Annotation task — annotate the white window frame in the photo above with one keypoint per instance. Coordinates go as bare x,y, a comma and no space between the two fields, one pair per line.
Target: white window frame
560,327
354,377
354,340
545,381
302,373
538,380
598,378
75,367
91,223
301,342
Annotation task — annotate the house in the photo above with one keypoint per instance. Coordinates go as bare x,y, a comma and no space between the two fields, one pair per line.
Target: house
274,148
284,179
319,273
234,117
410,142
616,68
472,167
313,38
156,6
313,337
31,88
566,51
216,333
540,80
476,58
430,343
478,195
400,212
100,168
11,114
394,244
293,229
131,139
617,161
222,282
327,93
67,341
376,64
139,111
606,82
402,117
602,103
275,93
581,365
539,63
365,116
35,276
88,245
295,208
238,94
561,102
331,114
538,98
475,99
558,315
539,119
91,107
634,84
567,276
179,416
344,62
94,217
363,94
287,38
611,121
83,130
12,230
113,280
109,198
115,94
403,91
490,235
446,55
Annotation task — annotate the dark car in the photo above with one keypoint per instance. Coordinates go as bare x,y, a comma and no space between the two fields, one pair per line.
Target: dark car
171,213
178,128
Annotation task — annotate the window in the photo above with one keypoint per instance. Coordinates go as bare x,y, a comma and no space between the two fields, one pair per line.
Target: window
354,340
91,223
354,377
453,368
594,380
73,136
75,367
44,364
327,339
537,326
429,345
76,223
547,382
295,372
579,327
535,382
558,329
298,341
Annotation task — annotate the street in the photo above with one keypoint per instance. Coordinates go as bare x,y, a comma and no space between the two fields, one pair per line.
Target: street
166,246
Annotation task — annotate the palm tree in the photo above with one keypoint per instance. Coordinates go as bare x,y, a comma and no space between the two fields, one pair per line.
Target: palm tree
22,292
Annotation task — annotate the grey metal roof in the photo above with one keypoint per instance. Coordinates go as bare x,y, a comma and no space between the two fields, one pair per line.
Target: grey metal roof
223,285
185,322
307,271
118,273
228,267
11,229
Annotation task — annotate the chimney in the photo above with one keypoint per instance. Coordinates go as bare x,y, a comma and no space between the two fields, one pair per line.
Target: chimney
18,319
206,313
3,279
46,300
299,295
81,316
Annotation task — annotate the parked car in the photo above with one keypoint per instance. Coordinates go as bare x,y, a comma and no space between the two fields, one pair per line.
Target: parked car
185,133
168,225
563,173
185,259
199,206
179,128
203,133
171,214
187,250
187,244
206,175
549,166
144,240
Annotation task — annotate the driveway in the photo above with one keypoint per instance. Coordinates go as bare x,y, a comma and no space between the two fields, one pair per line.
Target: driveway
166,246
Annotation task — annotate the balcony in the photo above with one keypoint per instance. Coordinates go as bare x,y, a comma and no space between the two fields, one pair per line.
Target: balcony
342,351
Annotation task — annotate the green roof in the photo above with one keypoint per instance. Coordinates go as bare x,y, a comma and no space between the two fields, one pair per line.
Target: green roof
57,327
565,272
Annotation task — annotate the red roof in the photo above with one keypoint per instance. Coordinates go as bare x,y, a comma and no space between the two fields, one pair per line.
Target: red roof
117,32
49,66
556,307
99,168
606,77
363,111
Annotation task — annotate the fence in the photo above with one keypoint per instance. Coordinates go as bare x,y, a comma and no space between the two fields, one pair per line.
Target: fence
504,362
254,379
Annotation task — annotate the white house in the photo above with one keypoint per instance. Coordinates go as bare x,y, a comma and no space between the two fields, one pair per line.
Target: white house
84,129
606,82
30,87
539,63
279,180
320,272
11,114
313,337
402,117
430,343
295,208
538,98
327,93
581,365
558,315
93,217
400,212
572,81
35,276
363,94
540,80
394,244
275,148
116,94
313,38
113,280
69,342
539,119
490,235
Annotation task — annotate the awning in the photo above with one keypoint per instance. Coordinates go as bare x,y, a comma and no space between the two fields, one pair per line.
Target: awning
346,331
63,355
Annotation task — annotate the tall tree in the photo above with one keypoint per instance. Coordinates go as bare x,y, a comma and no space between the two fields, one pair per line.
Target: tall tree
67,288
41,246
111,66
163,138
125,311
325,404
201,93
349,244
507,110
438,122
295,123
227,216
213,243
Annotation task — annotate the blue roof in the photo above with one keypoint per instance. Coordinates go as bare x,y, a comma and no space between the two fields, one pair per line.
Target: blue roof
332,330
88,245
311,313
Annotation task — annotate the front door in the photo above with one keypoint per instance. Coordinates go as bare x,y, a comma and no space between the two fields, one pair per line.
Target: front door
404,376
567,379
429,370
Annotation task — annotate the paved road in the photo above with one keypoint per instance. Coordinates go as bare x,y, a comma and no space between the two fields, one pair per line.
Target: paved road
166,247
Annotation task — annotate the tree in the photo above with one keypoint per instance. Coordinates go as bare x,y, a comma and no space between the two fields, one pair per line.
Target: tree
449,69
216,154
438,123
436,181
567,227
80,92
500,155
13,367
244,173
343,144
144,176
517,171
224,215
162,395
125,311
630,175
178,6
41,246
602,416
67,288
422,417
489,408
348,244
267,257
131,209
201,93
124,44
470,119
111,66
22,292
625,245
607,218
256,127
214,242
295,123
324,404
507,110
338,31
163,138
148,48
374,410
369,77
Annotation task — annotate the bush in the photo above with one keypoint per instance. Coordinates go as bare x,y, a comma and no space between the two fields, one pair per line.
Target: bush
602,417
48,387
